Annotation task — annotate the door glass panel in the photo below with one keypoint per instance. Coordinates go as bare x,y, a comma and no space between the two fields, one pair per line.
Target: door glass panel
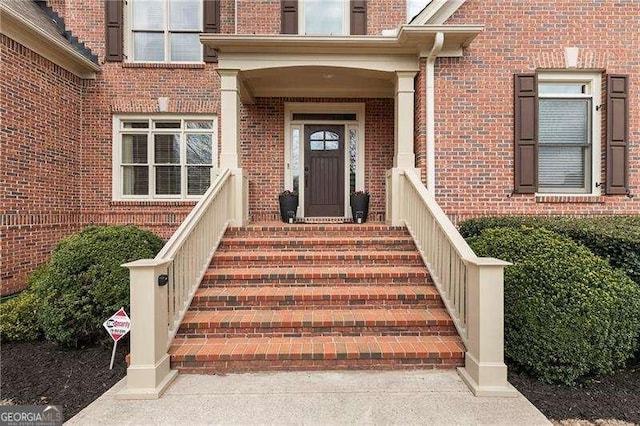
317,145
353,151
331,145
331,136
317,136
295,159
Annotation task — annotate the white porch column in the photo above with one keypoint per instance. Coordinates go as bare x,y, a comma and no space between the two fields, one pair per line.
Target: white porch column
230,118
404,116
404,158
230,137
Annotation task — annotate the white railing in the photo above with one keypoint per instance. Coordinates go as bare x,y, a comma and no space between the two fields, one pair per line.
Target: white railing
472,288
162,288
191,247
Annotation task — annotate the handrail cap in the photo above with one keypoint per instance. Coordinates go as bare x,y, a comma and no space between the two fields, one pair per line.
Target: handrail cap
146,263
489,261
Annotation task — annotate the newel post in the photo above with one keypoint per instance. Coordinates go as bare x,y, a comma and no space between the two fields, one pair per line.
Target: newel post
149,372
484,369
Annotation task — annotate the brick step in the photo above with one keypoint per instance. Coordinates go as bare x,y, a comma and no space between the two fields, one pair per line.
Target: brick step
317,258
327,322
341,243
209,356
307,230
344,297
315,275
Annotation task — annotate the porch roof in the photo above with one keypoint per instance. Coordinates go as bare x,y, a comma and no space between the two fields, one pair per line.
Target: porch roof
408,40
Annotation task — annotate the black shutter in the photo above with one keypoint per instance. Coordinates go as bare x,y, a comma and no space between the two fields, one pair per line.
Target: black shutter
289,17
526,133
113,13
358,17
617,134
211,24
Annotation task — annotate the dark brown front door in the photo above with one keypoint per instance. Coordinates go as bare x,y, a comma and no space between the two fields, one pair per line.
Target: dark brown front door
323,170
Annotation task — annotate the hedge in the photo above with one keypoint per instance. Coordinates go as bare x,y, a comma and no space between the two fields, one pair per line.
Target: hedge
84,283
616,238
568,313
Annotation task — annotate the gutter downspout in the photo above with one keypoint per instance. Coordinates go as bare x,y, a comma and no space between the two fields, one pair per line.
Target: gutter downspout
430,111
235,17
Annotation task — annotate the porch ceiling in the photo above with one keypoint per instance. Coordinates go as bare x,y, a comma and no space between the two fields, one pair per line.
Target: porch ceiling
318,81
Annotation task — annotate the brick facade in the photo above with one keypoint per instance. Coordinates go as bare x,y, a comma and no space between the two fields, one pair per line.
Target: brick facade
474,100
57,151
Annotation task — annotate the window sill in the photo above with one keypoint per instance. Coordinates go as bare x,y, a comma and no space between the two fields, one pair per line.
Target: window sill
155,203
169,65
557,198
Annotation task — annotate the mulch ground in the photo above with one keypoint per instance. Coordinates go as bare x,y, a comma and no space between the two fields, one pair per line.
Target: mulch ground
40,373
615,397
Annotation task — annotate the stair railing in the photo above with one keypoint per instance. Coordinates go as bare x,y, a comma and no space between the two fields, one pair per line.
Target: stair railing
162,288
472,288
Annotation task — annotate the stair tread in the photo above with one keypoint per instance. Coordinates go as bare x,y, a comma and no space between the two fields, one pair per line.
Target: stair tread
325,254
320,239
316,347
265,293
317,272
317,318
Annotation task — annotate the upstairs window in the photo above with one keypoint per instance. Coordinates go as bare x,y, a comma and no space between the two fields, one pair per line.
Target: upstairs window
165,30
324,17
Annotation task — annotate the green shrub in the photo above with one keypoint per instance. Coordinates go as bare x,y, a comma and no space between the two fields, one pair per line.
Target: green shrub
18,320
568,314
84,283
616,238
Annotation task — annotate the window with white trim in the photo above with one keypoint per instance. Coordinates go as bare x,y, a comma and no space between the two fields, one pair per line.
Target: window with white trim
568,133
161,157
164,30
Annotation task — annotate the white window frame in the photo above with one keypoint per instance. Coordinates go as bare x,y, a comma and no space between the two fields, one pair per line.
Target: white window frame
593,83
129,30
346,22
331,108
117,168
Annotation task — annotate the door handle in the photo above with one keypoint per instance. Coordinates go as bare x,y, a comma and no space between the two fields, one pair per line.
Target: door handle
306,176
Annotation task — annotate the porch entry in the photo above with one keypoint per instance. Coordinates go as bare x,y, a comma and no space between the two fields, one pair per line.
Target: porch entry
323,170
324,156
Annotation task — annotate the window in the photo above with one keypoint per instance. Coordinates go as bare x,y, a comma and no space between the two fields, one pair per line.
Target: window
568,135
165,30
161,157
324,17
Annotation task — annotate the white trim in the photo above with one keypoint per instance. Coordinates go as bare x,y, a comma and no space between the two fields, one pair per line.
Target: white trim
346,21
119,130
437,12
325,107
593,81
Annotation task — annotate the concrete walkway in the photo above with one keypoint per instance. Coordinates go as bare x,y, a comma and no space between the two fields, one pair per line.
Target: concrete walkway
314,398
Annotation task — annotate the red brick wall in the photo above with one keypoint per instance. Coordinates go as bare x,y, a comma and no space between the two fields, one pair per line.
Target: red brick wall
263,152
474,98
40,173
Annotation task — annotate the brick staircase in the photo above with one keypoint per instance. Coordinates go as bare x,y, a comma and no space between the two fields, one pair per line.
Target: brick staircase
314,297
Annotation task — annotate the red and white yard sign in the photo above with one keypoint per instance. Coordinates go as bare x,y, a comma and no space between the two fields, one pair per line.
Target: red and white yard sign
118,325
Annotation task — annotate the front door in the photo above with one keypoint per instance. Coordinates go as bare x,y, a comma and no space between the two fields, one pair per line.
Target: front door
323,170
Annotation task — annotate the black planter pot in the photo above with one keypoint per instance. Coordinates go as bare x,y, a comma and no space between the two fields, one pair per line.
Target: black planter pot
288,207
359,207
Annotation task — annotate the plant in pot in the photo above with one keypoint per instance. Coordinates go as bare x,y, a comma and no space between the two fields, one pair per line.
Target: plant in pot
359,201
288,206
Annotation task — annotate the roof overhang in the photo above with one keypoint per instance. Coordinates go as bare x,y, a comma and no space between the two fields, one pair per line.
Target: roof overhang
408,40
29,35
